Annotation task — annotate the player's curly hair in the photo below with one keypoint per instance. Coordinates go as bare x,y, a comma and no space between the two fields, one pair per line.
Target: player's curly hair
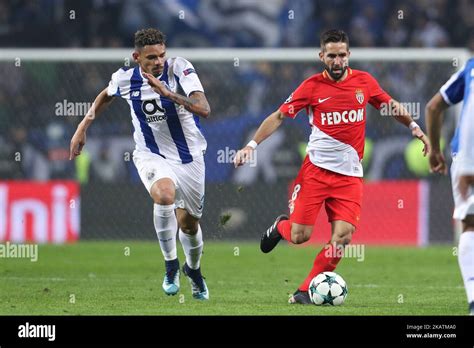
150,36
334,35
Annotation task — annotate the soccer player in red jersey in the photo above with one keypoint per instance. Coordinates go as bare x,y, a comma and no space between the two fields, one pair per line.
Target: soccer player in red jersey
335,101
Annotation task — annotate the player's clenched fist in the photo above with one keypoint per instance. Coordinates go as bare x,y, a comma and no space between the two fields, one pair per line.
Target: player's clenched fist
243,156
437,162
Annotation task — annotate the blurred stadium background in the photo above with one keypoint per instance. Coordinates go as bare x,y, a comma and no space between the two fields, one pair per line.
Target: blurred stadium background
47,198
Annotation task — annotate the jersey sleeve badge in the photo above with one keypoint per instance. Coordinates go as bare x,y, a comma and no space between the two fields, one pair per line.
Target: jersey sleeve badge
188,71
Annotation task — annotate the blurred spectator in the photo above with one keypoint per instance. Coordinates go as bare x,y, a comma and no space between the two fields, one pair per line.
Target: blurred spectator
240,92
235,23
103,169
242,22
428,33
395,33
22,158
361,36
57,147
5,18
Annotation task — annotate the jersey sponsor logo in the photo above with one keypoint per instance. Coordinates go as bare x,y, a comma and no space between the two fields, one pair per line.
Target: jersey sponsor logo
151,107
289,99
347,116
156,118
359,95
135,94
323,100
153,112
189,71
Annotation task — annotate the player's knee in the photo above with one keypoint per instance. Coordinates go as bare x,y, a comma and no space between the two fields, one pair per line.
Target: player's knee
342,240
298,238
188,227
165,197
163,193
344,236
299,235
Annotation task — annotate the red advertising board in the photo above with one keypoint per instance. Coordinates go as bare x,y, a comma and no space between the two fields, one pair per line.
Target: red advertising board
39,212
393,213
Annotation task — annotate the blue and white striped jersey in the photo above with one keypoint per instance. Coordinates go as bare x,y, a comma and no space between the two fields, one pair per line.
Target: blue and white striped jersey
161,126
458,88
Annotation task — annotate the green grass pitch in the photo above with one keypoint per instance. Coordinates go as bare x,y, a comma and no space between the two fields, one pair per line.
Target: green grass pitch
124,278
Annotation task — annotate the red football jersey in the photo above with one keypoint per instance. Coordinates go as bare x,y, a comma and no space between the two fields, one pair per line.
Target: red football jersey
337,114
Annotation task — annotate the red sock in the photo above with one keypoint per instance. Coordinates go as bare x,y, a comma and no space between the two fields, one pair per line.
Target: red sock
326,260
284,228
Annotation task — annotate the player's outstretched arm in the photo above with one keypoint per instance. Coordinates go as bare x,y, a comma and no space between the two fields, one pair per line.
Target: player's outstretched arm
403,116
79,138
196,102
434,111
267,128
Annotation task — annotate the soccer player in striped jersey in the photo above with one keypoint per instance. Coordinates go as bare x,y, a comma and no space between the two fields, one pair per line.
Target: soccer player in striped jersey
169,151
335,101
460,87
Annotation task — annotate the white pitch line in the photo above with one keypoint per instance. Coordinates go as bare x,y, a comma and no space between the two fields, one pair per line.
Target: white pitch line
32,278
57,279
404,286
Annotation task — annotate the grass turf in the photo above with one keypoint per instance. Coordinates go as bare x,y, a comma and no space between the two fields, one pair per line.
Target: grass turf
99,278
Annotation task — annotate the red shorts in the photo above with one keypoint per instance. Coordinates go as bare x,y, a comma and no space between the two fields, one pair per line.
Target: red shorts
314,185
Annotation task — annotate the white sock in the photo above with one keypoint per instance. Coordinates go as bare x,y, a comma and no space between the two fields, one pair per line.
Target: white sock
466,262
192,246
166,226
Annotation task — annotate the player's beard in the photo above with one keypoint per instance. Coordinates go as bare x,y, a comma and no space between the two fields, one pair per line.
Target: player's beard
336,76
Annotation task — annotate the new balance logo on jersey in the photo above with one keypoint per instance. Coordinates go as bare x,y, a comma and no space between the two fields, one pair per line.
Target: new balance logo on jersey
351,116
135,94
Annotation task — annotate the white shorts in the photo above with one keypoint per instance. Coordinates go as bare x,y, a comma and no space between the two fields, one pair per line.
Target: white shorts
462,208
188,178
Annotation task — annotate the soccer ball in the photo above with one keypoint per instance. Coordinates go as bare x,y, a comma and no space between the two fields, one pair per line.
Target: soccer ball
327,288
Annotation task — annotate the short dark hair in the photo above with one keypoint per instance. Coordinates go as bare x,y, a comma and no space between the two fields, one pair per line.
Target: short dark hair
334,35
150,36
